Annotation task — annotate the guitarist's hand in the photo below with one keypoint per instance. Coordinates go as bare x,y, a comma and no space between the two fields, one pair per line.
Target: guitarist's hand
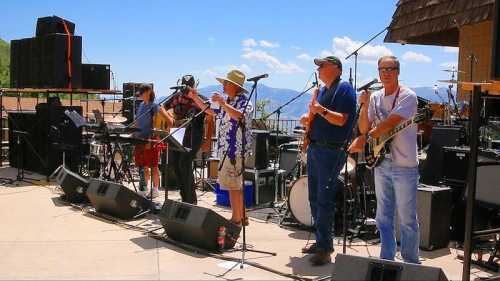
364,98
357,145
304,120
315,107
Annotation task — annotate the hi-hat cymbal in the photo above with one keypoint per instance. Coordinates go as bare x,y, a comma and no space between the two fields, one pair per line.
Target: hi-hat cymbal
453,70
453,81
115,119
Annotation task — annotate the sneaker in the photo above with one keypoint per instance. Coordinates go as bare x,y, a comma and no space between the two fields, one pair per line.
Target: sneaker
156,192
321,258
311,249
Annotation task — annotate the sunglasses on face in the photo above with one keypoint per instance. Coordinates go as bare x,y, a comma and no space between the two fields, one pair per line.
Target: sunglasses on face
387,69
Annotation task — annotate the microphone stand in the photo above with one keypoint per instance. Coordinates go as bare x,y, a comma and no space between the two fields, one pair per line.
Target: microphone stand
242,125
345,146
356,53
277,111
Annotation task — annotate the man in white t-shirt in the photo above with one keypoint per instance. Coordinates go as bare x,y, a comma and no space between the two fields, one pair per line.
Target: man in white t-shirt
396,177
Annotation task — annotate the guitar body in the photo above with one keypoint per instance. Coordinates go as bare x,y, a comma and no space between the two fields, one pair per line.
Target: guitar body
310,118
375,149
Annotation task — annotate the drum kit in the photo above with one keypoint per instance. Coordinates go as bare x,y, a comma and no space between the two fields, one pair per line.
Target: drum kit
298,210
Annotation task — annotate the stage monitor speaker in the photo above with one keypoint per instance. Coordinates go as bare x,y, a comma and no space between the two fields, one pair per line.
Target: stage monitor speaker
115,199
495,52
73,185
372,269
53,24
259,157
96,76
130,105
196,225
441,136
434,206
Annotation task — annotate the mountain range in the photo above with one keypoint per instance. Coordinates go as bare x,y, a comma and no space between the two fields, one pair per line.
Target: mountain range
278,97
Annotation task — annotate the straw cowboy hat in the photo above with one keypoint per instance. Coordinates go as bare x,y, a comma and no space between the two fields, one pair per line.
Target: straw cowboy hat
235,77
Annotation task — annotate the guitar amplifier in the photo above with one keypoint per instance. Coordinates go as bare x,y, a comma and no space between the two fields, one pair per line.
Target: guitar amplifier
264,184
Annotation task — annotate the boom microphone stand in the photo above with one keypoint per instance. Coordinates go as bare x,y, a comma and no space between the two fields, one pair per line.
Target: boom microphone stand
242,125
356,53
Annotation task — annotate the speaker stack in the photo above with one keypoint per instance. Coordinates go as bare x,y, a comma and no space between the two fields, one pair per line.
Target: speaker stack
53,59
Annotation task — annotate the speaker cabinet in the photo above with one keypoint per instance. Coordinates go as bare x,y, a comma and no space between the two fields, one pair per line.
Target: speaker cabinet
130,105
259,158
73,185
53,24
115,199
371,269
22,153
196,225
495,52
441,136
96,76
434,206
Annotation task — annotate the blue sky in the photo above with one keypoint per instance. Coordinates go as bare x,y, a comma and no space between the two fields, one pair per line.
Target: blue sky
159,41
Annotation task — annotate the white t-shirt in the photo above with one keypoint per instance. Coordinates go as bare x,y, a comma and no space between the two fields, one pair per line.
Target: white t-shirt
404,144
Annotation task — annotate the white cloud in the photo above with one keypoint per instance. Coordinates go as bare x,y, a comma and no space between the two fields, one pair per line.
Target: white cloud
305,57
267,44
296,48
449,65
326,53
416,57
250,42
222,70
211,39
343,46
272,62
453,50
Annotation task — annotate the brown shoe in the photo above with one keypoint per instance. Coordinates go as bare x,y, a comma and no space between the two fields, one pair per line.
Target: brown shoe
321,258
311,249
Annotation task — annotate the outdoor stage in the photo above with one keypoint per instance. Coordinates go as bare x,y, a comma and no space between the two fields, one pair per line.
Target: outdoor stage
43,237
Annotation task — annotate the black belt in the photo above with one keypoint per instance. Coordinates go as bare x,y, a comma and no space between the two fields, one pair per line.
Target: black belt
327,144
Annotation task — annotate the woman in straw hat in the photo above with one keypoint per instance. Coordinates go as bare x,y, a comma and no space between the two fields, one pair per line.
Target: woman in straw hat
230,139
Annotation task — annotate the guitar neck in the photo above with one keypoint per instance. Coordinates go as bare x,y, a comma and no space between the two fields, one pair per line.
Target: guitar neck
397,129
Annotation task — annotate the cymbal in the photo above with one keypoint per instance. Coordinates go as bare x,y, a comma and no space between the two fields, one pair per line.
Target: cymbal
453,81
115,119
453,70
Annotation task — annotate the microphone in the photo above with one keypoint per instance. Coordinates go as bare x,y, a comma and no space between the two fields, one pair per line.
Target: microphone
256,78
367,85
179,87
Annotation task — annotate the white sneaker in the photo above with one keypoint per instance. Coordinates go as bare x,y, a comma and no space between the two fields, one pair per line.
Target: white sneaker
156,192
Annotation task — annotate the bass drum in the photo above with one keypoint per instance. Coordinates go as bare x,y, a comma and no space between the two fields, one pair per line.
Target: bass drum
298,202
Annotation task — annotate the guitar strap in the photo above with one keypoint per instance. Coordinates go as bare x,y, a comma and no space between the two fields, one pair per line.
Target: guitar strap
387,144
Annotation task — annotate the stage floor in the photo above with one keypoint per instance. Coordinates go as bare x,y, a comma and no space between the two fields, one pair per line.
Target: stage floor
44,238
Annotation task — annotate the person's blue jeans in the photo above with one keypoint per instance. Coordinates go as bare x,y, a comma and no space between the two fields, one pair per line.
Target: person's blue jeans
396,189
320,168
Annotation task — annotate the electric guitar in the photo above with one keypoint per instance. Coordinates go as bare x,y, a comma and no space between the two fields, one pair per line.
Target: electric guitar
310,118
375,148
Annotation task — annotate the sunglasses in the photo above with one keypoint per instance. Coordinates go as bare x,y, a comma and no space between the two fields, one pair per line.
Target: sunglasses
387,69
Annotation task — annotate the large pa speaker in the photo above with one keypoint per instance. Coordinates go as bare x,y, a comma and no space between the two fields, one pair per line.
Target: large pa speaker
73,185
441,136
196,225
115,199
23,149
259,157
371,269
434,204
495,52
53,24
130,105
95,76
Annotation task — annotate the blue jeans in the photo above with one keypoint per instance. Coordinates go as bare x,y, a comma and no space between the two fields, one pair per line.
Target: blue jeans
396,189
320,168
